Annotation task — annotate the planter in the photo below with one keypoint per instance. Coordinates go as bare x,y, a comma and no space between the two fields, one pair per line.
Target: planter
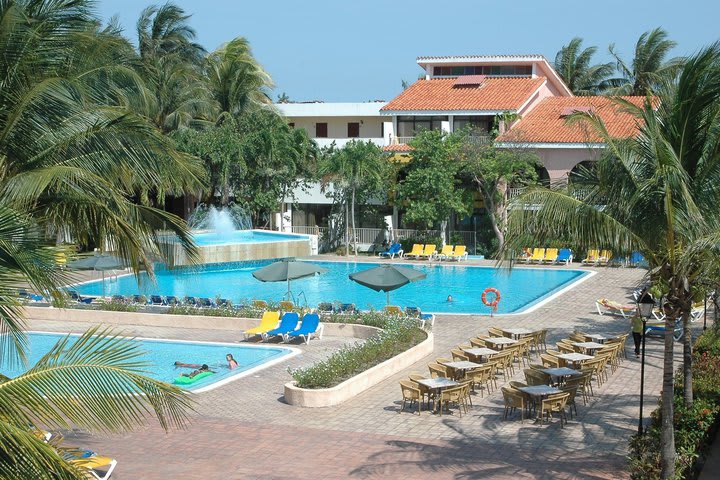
327,397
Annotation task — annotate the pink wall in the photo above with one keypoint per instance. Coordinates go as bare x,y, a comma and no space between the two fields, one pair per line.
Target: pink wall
559,161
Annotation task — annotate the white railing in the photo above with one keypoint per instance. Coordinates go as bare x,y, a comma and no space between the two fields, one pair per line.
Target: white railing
515,191
306,230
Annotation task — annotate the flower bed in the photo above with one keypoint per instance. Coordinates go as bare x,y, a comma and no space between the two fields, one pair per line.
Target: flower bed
694,426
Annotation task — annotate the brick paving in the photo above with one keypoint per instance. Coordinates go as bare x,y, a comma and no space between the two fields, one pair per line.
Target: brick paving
244,430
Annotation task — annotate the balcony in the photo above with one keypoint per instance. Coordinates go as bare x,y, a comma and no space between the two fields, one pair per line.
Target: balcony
473,139
340,142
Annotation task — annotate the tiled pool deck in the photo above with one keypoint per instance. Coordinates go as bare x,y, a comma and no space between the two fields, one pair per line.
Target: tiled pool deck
243,430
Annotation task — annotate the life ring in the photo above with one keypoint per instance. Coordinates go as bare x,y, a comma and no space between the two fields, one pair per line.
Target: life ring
495,302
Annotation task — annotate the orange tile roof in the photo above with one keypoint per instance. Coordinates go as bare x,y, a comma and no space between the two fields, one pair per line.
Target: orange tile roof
400,147
546,123
440,94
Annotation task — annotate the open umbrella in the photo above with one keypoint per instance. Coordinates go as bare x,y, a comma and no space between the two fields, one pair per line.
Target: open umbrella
287,270
386,278
99,263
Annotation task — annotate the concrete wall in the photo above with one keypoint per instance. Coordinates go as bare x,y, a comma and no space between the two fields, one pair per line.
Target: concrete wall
370,128
560,161
238,252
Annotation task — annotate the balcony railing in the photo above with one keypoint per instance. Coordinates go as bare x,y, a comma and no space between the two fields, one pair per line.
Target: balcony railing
473,139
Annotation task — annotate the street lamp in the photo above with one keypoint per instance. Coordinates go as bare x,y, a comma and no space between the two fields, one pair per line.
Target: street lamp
645,305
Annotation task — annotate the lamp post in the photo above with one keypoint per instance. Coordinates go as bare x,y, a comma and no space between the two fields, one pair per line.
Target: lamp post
645,305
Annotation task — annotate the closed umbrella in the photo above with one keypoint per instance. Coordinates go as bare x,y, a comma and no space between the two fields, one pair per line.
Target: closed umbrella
386,278
99,263
287,270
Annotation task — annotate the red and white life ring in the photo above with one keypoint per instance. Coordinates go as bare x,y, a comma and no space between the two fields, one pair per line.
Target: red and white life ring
495,301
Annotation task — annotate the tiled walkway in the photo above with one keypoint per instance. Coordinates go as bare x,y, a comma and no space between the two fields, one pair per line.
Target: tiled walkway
243,430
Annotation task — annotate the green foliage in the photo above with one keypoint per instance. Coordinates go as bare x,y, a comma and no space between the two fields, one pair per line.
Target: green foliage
574,67
117,306
694,426
348,361
431,188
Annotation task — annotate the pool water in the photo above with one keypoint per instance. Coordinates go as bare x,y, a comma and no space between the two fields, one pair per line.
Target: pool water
242,236
161,356
520,288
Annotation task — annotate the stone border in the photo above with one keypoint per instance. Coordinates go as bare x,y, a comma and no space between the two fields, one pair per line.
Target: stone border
328,397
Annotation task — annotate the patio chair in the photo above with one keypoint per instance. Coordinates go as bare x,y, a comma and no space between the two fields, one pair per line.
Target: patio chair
455,395
537,256
416,251
458,355
554,403
514,399
288,323
460,253
603,305
565,255
481,377
268,322
411,394
445,253
437,370
592,257
536,377
310,327
550,361
551,255
392,250
425,392
95,465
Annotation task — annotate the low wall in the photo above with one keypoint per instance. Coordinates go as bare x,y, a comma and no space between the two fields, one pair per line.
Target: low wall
238,252
235,324
327,397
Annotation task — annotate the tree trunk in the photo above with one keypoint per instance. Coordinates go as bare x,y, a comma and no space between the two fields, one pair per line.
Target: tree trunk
352,214
667,432
490,207
687,359
347,229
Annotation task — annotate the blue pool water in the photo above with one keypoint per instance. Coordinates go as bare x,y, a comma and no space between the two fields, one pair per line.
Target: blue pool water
242,236
161,355
520,288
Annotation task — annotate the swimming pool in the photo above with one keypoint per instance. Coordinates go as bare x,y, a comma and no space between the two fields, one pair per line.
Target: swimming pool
521,288
243,236
162,354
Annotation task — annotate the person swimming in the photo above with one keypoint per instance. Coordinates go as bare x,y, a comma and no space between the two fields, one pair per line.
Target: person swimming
449,299
188,365
203,368
232,363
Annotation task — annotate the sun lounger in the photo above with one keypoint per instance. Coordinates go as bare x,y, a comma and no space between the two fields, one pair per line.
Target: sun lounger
172,300
564,256
204,302
325,307
537,256
268,322
551,255
604,305
96,465
80,299
428,252
460,253
659,329
604,257
392,251
288,323
636,259
445,252
224,303
423,318
416,251
592,257
157,300
346,309
311,326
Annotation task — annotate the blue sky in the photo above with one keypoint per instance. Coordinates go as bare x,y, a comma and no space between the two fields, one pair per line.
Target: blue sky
355,51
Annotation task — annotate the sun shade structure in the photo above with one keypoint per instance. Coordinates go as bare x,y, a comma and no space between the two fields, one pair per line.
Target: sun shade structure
287,270
386,278
99,263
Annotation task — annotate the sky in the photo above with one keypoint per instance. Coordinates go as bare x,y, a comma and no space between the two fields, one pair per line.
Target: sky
357,51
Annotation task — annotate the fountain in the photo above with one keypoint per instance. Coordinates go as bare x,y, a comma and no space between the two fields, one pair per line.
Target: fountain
226,235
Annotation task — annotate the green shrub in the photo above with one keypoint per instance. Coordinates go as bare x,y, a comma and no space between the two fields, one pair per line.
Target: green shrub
693,426
117,306
399,335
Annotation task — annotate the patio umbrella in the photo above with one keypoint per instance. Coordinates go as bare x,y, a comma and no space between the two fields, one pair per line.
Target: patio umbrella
287,270
386,278
99,263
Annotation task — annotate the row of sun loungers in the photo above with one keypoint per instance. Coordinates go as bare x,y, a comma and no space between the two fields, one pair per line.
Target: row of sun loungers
288,327
429,251
547,255
595,257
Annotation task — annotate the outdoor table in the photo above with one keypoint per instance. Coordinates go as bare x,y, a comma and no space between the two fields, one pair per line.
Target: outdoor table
479,352
460,367
539,392
588,346
517,332
574,357
561,372
500,342
437,384
596,337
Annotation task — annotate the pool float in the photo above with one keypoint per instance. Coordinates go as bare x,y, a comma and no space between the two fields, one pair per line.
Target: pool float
190,380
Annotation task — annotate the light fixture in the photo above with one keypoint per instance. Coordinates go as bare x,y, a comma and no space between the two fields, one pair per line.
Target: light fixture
645,305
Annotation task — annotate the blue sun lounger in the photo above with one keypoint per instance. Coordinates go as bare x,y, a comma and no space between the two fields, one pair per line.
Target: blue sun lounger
288,323
310,326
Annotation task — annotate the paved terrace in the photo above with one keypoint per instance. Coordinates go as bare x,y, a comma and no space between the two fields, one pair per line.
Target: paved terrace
244,430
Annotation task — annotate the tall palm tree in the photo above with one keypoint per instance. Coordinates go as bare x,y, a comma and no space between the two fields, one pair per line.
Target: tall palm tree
649,68
572,63
660,195
357,166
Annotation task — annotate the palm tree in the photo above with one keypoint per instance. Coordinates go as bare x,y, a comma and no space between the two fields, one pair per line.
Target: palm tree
573,66
649,68
660,196
357,166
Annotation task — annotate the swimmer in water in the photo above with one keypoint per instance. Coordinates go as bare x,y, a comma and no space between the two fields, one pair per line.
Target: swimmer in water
449,299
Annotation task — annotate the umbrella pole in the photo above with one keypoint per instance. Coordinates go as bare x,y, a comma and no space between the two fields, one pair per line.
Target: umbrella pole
387,297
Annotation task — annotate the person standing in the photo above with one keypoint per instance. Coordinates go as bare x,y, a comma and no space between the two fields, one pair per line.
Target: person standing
637,333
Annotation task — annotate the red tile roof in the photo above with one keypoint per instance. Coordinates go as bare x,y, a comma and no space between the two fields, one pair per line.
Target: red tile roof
547,122
440,94
400,147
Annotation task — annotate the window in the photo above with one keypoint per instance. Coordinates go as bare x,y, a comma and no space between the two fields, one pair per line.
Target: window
496,70
353,130
410,126
321,130
477,123
291,124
